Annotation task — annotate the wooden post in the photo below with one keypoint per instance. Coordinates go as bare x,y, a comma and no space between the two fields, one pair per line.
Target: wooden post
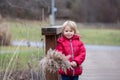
51,36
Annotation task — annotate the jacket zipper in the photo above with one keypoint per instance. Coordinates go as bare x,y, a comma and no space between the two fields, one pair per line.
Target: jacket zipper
72,53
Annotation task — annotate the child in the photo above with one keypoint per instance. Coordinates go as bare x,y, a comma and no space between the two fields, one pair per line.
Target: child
71,45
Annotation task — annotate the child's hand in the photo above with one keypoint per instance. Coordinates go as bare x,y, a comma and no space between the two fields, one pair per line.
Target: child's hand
73,64
68,56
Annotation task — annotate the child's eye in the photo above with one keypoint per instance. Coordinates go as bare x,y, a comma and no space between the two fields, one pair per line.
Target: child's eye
71,30
66,31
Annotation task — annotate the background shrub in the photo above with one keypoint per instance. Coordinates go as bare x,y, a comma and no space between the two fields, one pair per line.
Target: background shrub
5,35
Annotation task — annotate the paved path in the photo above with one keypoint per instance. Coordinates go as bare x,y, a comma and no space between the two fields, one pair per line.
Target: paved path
102,63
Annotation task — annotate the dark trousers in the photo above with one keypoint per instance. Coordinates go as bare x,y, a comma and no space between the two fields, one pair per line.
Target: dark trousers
64,77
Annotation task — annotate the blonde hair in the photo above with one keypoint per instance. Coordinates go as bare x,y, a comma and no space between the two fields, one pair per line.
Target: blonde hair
71,24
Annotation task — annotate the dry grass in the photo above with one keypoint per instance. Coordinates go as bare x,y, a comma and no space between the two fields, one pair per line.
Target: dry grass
53,61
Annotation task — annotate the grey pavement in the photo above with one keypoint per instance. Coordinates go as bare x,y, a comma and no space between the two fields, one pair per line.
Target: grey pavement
102,63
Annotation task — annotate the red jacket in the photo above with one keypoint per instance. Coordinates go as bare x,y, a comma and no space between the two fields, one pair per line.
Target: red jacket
76,49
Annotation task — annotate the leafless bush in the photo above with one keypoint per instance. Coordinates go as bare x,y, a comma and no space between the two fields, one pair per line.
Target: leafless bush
5,35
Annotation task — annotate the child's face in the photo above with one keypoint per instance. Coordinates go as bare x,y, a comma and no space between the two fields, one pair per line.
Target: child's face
68,32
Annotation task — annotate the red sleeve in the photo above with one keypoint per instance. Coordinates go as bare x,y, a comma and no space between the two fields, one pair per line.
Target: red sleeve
82,53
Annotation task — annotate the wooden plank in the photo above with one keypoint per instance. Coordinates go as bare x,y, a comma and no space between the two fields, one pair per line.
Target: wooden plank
54,30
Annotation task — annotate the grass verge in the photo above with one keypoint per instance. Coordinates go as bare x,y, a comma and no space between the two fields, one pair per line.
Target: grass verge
100,36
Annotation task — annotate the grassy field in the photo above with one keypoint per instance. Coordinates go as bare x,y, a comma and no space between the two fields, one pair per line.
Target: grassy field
31,30
26,30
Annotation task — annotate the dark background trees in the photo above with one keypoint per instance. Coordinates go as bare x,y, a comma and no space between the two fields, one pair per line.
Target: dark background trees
80,10
90,10
30,9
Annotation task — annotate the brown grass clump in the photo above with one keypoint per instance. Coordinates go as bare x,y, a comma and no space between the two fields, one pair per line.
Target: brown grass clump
5,35
53,61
